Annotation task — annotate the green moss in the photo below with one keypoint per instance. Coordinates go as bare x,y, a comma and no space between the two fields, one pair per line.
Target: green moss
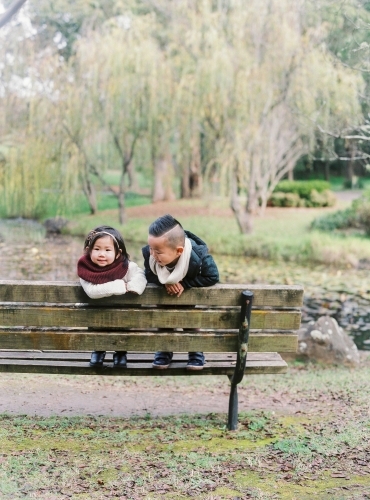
28,444
324,488
220,445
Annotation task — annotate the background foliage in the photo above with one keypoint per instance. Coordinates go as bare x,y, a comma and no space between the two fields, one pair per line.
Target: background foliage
197,97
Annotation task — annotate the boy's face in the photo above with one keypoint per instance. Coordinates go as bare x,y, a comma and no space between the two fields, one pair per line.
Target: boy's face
162,252
103,252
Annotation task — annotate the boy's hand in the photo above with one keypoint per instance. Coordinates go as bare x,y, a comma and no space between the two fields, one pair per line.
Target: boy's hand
175,289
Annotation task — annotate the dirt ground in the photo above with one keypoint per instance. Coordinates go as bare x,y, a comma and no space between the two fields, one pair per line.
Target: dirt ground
46,395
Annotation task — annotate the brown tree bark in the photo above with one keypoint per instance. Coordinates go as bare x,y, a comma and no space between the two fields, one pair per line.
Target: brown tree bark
163,175
244,216
89,190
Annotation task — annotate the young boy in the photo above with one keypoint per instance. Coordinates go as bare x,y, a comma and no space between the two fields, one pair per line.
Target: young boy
178,260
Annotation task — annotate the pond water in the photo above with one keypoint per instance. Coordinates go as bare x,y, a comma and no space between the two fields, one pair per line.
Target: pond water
28,253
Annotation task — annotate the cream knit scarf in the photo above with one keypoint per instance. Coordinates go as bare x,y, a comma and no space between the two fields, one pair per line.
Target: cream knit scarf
167,277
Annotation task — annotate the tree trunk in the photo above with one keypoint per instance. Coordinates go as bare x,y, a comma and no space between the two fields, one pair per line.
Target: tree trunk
195,176
121,200
191,184
327,171
89,190
191,181
244,217
185,185
90,193
244,220
132,178
350,164
163,175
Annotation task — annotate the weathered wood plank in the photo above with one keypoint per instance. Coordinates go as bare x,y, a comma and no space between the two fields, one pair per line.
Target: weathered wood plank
138,369
145,318
143,341
134,357
218,295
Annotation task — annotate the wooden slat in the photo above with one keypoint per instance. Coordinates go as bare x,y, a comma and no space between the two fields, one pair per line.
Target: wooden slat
145,318
256,363
133,356
218,295
143,341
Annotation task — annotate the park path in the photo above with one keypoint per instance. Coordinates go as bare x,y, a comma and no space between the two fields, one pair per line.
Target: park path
46,395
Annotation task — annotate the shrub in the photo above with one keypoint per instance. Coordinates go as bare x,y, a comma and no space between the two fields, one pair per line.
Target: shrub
302,188
364,198
342,219
357,216
363,214
324,199
279,199
362,208
302,194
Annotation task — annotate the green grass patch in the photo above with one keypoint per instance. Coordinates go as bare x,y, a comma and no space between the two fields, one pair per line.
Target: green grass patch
105,201
282,235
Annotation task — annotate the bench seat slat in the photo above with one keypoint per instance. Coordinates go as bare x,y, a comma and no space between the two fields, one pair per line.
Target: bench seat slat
257,363
144,341
221,295
133,356
145,318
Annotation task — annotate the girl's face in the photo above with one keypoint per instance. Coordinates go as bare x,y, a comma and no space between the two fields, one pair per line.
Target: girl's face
103,253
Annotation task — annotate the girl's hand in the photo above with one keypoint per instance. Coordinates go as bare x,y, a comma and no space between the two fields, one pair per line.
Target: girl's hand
175,289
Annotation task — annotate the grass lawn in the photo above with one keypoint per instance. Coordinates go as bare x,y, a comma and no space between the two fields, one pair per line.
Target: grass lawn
319,447
282,234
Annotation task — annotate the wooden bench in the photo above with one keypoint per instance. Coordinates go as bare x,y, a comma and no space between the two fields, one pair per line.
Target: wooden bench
52,327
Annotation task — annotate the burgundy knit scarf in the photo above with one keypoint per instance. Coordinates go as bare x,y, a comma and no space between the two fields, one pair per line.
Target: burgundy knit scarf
88,271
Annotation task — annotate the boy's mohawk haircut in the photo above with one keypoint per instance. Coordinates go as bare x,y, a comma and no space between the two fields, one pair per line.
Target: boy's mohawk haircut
162,225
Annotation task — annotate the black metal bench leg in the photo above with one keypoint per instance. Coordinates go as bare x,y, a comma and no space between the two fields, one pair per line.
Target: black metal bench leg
245,319
232,422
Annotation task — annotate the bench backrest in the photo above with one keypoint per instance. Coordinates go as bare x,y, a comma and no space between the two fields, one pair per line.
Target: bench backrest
59,316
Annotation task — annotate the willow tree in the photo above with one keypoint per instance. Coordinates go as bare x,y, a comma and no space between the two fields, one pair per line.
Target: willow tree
348,37
112,67
34,175
160,134
204,90
280,82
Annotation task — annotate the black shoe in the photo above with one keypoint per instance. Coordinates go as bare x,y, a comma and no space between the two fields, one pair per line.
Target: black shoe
97,358
196,361
120,359
162,360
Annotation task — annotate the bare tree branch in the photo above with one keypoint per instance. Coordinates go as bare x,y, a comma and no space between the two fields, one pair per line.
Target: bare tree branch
365,129
91,167
8,14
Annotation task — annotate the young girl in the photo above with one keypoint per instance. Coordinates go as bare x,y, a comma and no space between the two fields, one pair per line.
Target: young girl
105,270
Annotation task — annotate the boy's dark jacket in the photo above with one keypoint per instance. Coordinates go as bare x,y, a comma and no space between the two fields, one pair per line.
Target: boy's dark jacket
202,268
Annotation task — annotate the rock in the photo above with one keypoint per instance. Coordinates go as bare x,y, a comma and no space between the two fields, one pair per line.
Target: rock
55,225
325,342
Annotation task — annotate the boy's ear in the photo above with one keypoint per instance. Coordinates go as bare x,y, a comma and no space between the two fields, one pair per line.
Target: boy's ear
179,250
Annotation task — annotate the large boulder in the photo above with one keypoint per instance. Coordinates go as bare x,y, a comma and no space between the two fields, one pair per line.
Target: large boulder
325,341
